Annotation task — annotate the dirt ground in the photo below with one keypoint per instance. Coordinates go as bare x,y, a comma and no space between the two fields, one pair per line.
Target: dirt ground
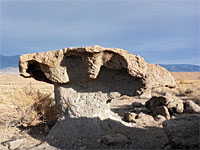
145,133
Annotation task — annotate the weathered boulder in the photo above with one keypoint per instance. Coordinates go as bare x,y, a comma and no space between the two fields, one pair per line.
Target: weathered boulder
191,107
183,131
86,79
165,105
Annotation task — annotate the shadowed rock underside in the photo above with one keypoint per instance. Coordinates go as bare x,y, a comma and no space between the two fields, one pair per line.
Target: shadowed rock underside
54,66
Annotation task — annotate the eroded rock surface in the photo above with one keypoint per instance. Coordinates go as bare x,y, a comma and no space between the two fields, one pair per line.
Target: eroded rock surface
86,79
165,105
191,107
56,66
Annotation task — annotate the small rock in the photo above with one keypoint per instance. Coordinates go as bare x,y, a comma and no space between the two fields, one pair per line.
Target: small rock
136,104
124,97
142,117
114,139
114,95
191,107
15,144
162,110
129,116
173,117
159,118
168,94
46,128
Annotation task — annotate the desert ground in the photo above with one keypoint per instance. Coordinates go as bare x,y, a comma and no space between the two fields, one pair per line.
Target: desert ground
28,111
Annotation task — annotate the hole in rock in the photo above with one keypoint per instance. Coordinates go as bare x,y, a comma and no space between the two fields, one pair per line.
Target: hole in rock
36,72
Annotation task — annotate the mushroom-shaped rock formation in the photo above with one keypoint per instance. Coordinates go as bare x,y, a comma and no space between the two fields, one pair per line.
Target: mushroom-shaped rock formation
86,79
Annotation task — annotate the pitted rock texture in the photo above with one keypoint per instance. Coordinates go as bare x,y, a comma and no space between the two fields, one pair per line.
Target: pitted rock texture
86,80
53,66
165,105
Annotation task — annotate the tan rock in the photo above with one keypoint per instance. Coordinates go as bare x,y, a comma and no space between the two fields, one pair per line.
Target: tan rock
15,144
191,107
146,95
173,104
159,118
144,118
53,67
129,116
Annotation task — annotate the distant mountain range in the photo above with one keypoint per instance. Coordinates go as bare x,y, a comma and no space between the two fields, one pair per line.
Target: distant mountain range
10,64
9,61
181,67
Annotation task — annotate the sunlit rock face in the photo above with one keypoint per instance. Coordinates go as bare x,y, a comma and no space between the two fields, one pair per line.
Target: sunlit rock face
86,79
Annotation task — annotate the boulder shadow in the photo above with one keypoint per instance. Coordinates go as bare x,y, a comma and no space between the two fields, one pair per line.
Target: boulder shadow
138,138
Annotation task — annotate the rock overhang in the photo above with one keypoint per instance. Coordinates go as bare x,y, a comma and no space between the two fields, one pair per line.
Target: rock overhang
53,66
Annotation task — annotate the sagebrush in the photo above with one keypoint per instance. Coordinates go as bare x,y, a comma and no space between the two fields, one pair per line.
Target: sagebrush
28,106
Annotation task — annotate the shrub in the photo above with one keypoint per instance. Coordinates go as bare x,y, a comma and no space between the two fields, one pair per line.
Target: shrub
28,106
181,81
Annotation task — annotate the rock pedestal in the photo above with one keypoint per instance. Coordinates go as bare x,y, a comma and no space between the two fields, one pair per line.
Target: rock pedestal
86,79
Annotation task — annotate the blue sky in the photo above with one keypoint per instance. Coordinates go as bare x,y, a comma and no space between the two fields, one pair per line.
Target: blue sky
161,31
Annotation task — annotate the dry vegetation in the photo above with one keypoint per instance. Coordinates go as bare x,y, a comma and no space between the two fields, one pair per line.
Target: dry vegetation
189,85
26,103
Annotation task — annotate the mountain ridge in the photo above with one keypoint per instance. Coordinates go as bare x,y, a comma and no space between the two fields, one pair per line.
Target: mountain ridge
181,67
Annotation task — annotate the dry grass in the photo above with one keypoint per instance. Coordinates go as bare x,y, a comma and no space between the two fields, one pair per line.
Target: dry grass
27,106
